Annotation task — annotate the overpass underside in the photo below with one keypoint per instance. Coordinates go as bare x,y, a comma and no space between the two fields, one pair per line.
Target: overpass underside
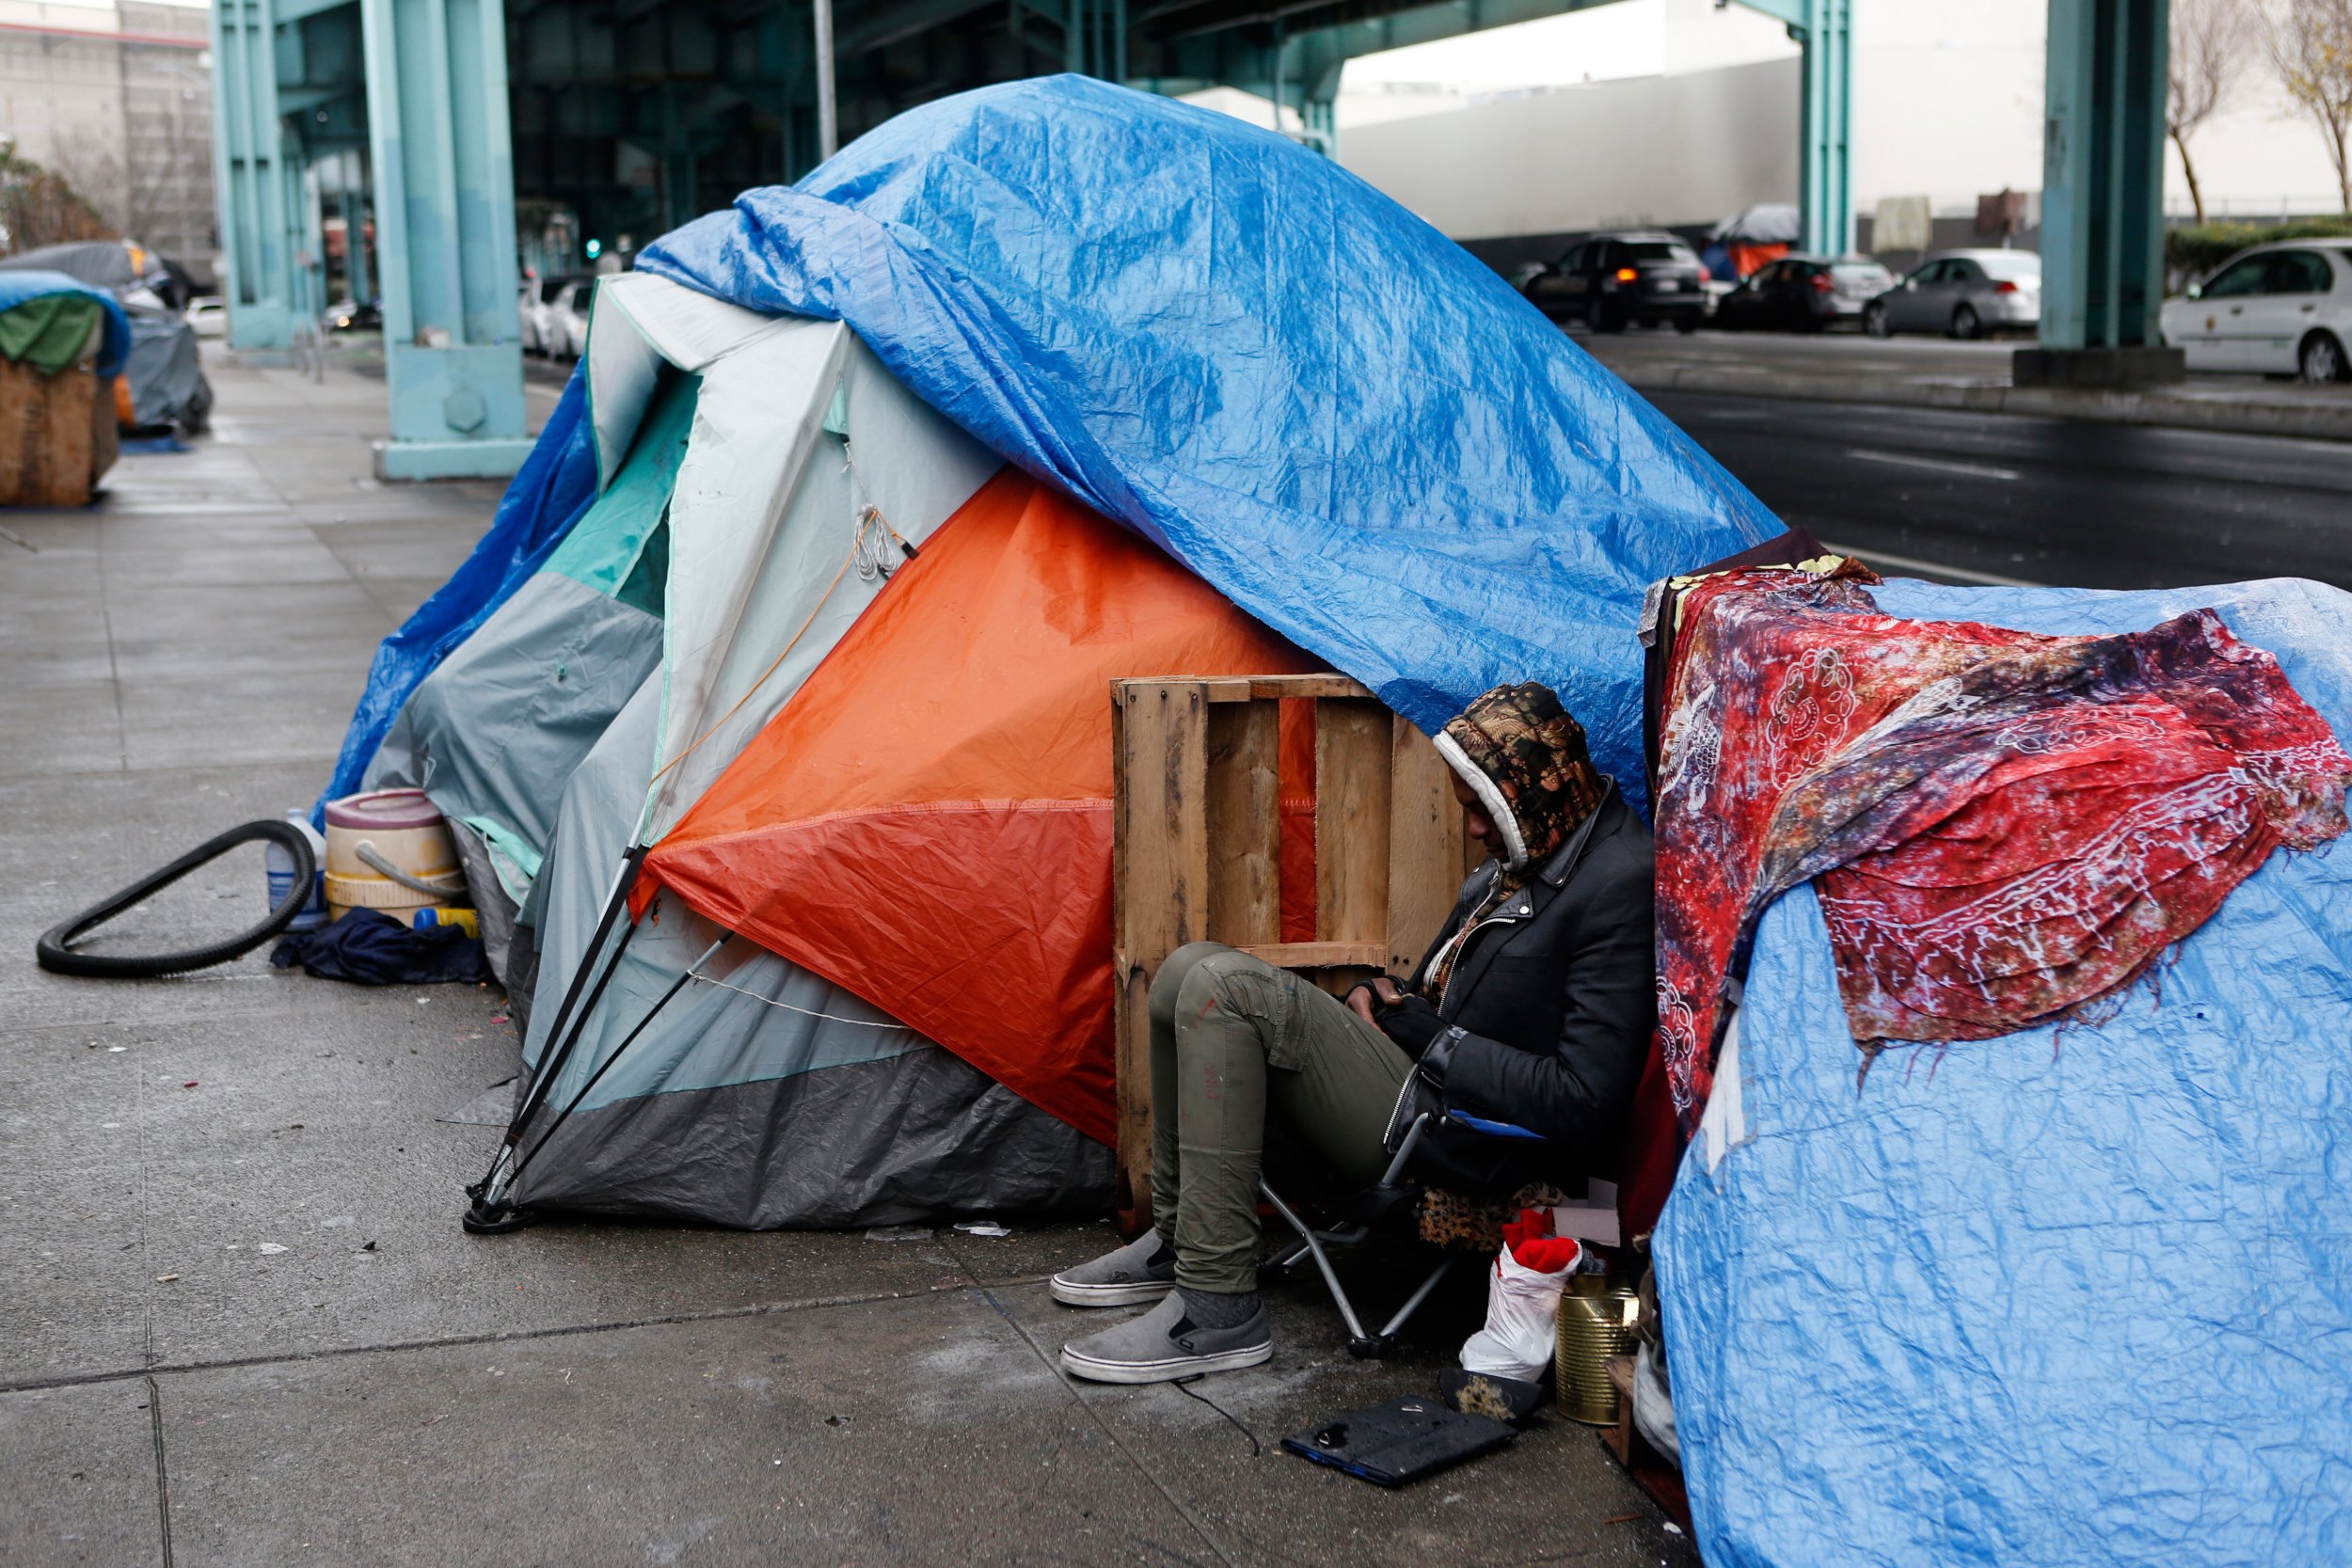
434,124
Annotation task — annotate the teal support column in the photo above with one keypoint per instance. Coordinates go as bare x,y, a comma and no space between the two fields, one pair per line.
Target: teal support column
1824,31
2103,198
249,177
442,157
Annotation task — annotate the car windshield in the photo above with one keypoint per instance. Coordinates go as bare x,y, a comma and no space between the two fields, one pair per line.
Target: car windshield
2015,266
550,289
1657,250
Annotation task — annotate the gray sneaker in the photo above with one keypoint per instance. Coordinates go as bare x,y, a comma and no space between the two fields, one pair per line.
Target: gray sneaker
1143,1270
1163,1343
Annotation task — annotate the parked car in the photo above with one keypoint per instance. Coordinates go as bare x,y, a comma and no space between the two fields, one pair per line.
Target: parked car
356,315
1802,293
566,328
208,315
2280,309
536,310
1610,280
1963,294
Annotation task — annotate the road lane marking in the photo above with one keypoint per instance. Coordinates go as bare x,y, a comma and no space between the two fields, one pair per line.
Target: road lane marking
1912,564
1973,470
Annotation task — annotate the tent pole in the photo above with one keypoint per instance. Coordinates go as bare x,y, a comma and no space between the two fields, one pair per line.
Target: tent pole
618,1052
489,1212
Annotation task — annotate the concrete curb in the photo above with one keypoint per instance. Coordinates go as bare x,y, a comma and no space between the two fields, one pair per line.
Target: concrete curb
2309,420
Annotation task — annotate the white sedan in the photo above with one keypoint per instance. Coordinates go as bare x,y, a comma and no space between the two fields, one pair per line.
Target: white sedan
2278,309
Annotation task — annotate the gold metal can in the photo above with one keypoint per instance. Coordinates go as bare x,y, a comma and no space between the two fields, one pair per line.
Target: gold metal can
1599,1317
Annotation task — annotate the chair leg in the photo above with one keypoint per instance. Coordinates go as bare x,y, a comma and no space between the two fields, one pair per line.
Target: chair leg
1357,1338
1282,1261
1413,1302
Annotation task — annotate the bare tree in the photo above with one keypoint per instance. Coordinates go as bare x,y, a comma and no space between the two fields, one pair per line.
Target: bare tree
2211,42
39,208
2310,44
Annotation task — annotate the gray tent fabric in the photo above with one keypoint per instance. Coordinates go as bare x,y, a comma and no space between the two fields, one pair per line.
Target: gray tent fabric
494,909
907,1137
762,1095
493,733
167,384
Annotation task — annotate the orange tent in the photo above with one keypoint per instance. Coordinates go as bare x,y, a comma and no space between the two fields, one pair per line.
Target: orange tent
927,822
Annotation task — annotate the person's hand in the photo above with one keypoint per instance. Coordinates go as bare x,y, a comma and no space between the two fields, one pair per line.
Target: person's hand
1380,992
1410,1022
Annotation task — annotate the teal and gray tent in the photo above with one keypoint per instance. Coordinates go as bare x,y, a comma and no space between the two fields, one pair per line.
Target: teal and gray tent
759,479
491,736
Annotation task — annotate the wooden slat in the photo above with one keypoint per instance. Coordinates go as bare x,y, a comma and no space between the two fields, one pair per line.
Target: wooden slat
1352,762
1160,874
1424,846
1263,687
1245,823
1318,954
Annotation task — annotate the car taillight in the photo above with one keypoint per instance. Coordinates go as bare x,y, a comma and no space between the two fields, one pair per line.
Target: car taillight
1705,275
2005,285
1627,274
1822,283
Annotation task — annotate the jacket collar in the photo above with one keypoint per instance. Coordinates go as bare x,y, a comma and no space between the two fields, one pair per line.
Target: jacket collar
1557,870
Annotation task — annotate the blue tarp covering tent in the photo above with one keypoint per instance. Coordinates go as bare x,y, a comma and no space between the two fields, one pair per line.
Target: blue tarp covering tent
1311,398
2081,1299
1337,416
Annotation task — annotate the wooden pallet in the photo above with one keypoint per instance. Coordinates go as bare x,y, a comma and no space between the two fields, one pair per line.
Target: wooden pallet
1651,1470
1197,851
56,434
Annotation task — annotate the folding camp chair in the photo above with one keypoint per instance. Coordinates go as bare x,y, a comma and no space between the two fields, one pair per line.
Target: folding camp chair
1379,1199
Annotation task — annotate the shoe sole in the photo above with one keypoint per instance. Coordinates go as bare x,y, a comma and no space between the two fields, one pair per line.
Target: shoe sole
1163,1371
1077,1293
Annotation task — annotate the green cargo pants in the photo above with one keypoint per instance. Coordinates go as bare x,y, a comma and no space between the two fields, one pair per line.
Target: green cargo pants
1234,1038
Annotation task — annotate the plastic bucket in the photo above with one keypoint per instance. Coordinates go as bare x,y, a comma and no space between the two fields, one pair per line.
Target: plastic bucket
280,867
1600,1314
400,829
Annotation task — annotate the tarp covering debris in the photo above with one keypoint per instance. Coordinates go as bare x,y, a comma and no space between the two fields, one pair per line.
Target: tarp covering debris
2009,828
42,320
1335,414
2063,1296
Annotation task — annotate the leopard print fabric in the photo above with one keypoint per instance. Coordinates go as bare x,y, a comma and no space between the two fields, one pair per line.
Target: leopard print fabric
1475,1225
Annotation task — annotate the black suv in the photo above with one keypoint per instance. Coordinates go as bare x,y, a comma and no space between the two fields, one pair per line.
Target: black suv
1611,279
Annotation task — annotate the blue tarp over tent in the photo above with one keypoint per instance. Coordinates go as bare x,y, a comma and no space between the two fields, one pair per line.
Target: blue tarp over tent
1329,410
2082,1299
1332,412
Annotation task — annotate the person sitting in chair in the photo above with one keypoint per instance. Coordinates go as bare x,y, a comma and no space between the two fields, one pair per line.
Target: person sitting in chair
1532,1007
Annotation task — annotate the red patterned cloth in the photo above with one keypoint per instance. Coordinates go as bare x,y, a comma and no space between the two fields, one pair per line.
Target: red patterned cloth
2005,827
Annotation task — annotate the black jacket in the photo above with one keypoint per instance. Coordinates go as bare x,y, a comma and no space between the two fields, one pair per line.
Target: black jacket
1549,1012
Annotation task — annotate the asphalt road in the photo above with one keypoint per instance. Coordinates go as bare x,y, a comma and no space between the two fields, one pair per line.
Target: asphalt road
1979,497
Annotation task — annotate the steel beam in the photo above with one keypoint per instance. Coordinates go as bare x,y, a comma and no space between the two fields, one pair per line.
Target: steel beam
248,170
2103,189
1823,30
445,237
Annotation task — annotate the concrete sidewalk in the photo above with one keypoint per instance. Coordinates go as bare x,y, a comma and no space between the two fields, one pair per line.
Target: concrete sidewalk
239,1324
1933,373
